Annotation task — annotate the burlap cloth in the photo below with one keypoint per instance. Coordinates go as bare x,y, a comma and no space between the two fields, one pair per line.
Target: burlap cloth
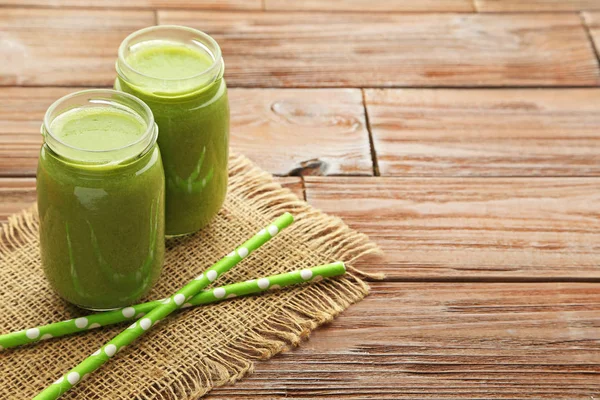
198,348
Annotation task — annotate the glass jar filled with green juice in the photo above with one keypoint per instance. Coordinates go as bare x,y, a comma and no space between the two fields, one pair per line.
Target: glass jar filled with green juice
101,189
178,72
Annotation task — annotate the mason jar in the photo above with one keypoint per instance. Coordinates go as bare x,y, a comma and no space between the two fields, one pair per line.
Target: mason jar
178,72
101,188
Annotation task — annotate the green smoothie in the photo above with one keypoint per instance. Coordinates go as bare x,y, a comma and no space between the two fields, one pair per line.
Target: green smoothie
182,82
100,187
98,128
168,61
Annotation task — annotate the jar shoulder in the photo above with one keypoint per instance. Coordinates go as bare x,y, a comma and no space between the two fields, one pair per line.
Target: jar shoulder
145,170
215,95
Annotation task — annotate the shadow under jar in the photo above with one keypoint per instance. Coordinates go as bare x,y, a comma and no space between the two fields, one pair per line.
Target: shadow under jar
101,189
178,72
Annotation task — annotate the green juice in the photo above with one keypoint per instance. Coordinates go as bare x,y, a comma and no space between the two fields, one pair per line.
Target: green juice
98,129
100,191
183,85
165,60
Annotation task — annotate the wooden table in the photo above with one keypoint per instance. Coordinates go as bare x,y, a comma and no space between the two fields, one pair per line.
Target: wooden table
462,135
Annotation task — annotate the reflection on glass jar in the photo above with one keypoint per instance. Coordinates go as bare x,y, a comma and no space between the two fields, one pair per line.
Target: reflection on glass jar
100,186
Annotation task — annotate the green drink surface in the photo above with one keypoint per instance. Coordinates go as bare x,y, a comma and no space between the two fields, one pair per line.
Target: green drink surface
98,128
165,60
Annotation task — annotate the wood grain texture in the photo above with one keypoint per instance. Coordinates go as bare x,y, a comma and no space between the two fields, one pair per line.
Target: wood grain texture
16,194
373,49
521,132
64,46
445,341
297,132
535,5
471,228
372,5
21,117
193,4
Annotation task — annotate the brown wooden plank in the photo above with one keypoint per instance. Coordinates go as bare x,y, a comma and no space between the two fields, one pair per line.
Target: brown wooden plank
302,131
21,117
299,132
445,341
372,5
520,132
64,46
471,228
535,5
302,49
17,194
193,4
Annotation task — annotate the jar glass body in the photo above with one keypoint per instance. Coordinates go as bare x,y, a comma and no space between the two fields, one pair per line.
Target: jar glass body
193,119
101,224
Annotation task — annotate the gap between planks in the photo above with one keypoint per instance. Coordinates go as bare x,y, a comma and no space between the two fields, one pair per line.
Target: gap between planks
371,142
588,31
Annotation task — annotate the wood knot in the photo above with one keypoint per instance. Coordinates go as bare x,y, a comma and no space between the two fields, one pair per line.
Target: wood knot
310,167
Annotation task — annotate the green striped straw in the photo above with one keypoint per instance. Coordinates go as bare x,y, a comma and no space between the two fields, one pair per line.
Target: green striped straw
253,286
142,325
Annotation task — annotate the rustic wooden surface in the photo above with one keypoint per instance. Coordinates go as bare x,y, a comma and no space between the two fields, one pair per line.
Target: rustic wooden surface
461,135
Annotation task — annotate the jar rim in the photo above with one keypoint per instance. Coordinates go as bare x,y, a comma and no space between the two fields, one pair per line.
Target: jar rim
215,52
110,98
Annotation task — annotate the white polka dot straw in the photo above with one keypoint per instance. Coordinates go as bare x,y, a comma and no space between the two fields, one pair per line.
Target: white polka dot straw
249,287
193,288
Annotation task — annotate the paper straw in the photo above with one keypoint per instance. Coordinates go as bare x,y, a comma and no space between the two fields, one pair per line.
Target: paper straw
253,286
142,325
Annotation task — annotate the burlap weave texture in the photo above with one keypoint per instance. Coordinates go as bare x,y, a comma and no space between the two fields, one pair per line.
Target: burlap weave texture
198,348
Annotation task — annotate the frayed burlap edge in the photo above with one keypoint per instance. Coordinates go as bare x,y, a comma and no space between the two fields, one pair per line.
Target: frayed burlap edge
287,326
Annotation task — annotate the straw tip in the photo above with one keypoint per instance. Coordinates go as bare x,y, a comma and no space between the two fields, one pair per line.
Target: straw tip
342,264
288,215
